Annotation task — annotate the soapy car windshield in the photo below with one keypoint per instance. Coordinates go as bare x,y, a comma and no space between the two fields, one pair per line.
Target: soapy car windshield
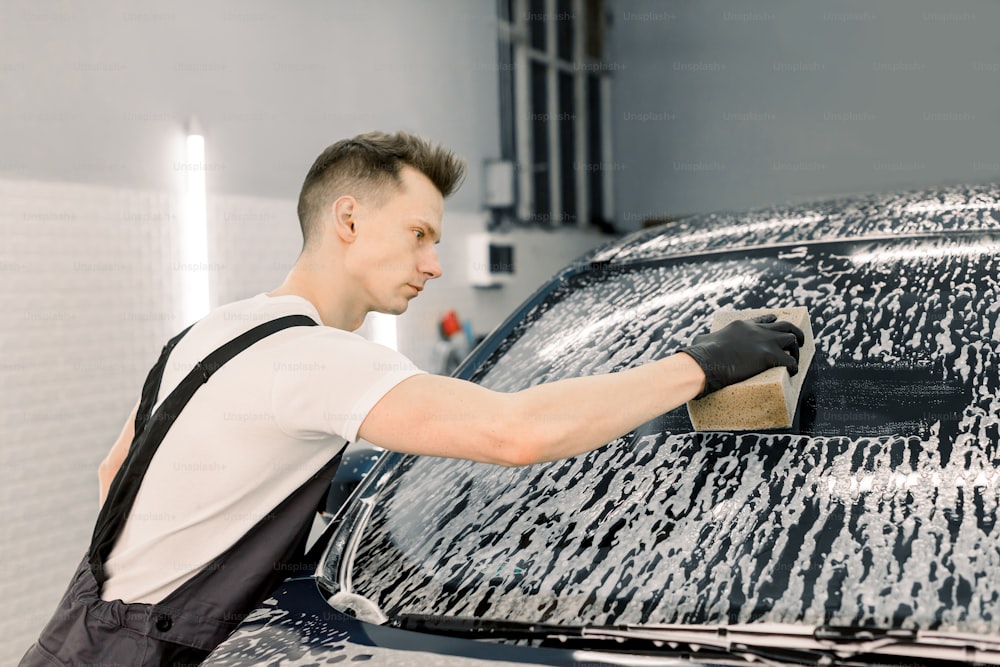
877,508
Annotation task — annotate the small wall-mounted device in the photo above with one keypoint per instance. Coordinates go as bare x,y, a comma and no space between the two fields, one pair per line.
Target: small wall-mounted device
491,260
498,184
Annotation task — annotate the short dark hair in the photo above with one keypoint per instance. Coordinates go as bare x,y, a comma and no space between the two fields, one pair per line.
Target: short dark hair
368,166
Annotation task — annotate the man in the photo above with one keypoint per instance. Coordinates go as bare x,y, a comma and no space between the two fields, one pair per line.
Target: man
210,489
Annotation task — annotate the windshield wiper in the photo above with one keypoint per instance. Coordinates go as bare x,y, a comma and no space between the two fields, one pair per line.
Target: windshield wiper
594,638
802,644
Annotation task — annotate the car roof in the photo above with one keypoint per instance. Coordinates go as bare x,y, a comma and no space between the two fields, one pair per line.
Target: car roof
951,208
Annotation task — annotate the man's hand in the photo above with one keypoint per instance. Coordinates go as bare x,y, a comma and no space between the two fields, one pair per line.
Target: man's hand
744,348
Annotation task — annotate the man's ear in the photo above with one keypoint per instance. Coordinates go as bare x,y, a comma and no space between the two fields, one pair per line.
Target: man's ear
343,218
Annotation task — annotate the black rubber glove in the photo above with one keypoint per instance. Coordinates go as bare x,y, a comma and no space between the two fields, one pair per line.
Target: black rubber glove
744,348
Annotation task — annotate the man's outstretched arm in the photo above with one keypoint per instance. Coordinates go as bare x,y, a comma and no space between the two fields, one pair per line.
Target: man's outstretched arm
443,416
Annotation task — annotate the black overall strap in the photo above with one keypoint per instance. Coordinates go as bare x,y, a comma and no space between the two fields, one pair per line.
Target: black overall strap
151,429
151,387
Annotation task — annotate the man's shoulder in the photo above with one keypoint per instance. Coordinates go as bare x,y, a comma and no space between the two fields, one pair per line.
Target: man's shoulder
262,308
236,317
230,320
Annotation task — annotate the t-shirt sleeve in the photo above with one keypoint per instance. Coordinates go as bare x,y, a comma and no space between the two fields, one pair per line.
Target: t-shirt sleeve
326,382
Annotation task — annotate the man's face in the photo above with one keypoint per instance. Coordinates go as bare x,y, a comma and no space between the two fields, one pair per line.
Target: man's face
394,254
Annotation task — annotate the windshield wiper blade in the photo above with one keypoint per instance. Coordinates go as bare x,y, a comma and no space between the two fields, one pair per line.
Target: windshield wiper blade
482,628
618,639
778,641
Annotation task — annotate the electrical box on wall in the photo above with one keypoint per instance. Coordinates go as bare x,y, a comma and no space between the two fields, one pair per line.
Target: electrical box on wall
490,261
498,184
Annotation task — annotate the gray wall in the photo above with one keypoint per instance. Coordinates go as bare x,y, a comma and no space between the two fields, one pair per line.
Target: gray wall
93,90
721,104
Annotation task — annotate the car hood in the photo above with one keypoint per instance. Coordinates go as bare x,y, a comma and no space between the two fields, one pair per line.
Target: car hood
296,628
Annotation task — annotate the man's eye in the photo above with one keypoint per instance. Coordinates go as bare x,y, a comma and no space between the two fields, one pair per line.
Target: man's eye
419,232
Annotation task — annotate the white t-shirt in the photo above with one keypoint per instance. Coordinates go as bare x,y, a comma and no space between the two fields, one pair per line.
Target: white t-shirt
263,424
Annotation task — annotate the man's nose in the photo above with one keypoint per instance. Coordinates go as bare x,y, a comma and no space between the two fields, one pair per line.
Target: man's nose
430,265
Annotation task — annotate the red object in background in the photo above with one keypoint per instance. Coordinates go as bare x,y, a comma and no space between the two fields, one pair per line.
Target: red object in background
450,324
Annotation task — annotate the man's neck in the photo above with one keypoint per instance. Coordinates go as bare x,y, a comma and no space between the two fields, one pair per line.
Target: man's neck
332,313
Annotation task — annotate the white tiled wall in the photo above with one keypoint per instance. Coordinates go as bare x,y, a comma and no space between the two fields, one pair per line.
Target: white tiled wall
90,287
86,300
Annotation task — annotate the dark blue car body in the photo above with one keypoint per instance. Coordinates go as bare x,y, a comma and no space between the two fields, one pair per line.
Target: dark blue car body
873,518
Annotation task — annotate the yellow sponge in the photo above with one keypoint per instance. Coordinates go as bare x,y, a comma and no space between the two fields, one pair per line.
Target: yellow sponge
766,400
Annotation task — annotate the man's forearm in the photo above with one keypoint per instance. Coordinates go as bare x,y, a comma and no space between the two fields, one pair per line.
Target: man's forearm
574,416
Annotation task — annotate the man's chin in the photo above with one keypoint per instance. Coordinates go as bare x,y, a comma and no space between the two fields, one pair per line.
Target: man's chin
393,310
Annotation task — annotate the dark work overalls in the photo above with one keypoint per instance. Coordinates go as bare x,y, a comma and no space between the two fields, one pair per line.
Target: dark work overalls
191,621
